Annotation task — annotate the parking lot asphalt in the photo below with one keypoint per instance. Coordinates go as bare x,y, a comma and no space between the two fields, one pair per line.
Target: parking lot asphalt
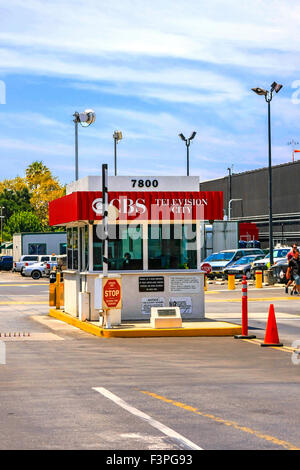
64,389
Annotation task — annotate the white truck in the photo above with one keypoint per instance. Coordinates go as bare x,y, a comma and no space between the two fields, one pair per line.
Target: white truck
27,260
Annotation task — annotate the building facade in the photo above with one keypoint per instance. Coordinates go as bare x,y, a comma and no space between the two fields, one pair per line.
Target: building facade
251,188
39,243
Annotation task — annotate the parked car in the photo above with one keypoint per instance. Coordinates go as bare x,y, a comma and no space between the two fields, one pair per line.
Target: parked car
37,270
27,260
242,267
6,263
279,270
262,264
223,259
60,265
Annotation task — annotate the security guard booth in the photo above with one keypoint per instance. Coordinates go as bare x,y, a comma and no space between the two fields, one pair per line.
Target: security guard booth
155,238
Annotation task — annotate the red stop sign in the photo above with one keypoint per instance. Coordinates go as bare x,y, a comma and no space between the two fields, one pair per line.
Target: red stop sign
206,267
112,293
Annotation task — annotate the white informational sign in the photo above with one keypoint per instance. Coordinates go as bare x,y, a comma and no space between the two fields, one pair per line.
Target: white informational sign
184,303
149,302
165,317
185,284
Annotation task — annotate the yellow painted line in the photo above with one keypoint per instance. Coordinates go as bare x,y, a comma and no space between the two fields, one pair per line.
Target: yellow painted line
217,419
258,299
73,321
24,285
280,348
23,303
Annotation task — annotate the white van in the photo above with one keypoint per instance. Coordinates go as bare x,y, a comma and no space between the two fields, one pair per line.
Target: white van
278,255
219,261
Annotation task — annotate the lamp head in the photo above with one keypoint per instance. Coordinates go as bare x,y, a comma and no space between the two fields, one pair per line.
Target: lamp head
193,135
276,87
86,118
260,91
182,137
117,135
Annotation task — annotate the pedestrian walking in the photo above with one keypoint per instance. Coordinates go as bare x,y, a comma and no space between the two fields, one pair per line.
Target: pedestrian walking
294,270
290,280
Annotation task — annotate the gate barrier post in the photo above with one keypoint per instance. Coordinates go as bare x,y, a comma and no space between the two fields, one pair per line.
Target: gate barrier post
244,312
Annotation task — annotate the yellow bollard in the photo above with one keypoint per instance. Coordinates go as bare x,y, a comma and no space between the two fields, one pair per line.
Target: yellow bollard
62,294
52,294
231,281
57,292
258,279
205,282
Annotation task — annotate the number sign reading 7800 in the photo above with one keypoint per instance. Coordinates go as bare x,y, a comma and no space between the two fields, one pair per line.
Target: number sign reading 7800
141,183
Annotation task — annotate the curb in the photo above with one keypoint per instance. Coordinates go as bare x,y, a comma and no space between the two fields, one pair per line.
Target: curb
209,329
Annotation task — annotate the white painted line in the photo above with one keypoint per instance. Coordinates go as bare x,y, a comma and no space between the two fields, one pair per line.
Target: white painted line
156,424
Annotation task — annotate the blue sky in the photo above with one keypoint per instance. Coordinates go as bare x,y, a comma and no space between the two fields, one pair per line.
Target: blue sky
152,70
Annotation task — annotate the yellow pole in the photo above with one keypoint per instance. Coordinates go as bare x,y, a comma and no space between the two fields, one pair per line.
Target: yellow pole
258,279
52,294
231,281
62,294
205,282
57,292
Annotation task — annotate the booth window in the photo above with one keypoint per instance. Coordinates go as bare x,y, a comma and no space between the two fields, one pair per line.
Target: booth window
84,247
172,246
72,248
75,248
37,248
125,247
62,248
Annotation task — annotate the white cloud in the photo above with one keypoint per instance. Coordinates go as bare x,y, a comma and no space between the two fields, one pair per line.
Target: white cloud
244,34
177,83
42,148
30,119
80,39
167,67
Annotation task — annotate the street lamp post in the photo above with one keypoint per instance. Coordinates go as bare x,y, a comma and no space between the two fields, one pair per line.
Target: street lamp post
85,119
229,206
2,217
187,143
117,135
268,94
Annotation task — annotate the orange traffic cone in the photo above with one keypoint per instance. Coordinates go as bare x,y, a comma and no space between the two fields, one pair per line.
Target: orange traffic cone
271,336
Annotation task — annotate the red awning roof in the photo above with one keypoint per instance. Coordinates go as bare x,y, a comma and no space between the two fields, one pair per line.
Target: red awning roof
156,205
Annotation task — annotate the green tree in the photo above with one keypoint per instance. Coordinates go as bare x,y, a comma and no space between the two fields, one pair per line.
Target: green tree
36,174
30,194
44,187
24,221
13,200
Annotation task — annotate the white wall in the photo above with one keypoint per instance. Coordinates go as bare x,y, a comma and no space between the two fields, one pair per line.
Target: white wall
130,183
225,235
17,246
190,290
52,240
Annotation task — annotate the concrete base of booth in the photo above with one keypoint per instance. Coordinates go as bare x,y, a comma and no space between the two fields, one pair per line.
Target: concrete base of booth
139,330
